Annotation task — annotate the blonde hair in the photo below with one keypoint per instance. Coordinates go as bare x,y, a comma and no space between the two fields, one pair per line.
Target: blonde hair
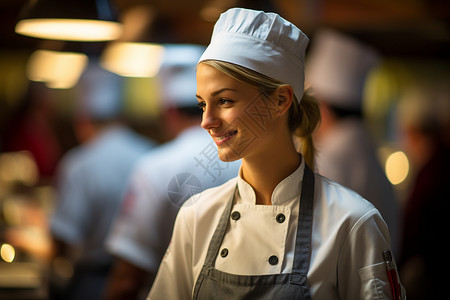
304,117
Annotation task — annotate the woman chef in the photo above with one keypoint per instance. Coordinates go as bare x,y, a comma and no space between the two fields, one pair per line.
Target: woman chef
278,230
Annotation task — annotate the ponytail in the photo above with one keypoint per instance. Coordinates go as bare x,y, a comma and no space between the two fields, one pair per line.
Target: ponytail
303,120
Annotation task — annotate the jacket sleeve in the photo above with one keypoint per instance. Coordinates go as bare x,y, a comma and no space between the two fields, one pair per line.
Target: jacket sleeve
141,232
175,277
361,268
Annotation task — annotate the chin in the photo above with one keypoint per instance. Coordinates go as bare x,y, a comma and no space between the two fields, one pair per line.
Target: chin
226,155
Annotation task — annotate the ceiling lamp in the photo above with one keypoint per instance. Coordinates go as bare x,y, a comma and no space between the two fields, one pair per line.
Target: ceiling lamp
81,20
131,59
133,55
57,69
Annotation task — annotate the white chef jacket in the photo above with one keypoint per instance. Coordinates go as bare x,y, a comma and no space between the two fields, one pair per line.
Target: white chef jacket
91,180
348,239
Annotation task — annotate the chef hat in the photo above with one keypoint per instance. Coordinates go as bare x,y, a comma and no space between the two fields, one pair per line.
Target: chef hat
262,42
177,74
100,93
337,67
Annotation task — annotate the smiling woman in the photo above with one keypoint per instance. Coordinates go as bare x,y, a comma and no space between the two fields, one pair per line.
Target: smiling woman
278,230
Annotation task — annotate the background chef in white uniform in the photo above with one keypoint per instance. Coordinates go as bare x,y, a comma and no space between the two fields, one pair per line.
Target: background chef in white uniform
164,179
91,181
337,67
271,232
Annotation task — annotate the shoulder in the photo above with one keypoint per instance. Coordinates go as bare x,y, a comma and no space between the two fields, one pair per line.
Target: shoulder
339,194
340,203
74,161
212,196
175,152
159,160
209,204
127,144
343,218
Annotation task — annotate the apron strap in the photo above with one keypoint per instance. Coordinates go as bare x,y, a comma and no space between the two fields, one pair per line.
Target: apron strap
216,240
303,242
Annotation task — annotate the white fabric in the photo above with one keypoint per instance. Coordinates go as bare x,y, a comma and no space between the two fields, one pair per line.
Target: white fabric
91,181
177,74
337,67
346,155
100,93
263,42
143,228
348,238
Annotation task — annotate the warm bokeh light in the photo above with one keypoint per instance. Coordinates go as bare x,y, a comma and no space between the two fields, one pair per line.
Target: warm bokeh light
397,167
70,29
7,252
58,70
133,59
18,166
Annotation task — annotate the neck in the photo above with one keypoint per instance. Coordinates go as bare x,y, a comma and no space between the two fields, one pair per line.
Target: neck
265,172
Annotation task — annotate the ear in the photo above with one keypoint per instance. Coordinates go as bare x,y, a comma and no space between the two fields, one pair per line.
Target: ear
284,97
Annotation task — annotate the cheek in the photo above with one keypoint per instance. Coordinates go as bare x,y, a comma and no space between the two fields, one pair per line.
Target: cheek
231,118
251,135
260,117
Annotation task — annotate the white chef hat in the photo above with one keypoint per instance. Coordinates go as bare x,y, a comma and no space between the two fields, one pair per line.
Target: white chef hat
100,93
263,42
177,74
336,68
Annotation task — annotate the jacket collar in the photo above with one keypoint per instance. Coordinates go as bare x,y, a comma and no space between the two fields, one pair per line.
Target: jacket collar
285,191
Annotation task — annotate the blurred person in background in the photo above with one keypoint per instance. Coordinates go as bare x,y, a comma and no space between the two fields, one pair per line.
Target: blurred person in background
34,126
90,182
337,67
423,114
163,180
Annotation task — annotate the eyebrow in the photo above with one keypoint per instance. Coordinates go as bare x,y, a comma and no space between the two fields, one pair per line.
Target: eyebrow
213,94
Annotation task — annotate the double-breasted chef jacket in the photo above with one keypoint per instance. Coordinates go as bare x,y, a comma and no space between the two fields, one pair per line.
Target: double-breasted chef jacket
347,241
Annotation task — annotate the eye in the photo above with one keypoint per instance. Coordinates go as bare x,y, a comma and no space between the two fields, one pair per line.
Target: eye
225,101
201,105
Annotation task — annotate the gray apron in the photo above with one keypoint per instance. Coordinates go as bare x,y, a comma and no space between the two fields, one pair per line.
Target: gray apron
215,284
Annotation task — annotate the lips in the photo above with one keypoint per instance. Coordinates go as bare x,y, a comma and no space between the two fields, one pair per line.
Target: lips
223,137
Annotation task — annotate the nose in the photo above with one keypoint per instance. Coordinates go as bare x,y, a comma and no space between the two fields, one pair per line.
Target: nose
210,119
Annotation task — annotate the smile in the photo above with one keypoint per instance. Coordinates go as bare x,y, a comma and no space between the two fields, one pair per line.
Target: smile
220,139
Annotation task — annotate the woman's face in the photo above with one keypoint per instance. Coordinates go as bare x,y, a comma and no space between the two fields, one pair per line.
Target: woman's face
238,117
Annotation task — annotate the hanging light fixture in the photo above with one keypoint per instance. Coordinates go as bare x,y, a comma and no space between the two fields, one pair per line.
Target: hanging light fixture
57,69
72,20
132,59
133,55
